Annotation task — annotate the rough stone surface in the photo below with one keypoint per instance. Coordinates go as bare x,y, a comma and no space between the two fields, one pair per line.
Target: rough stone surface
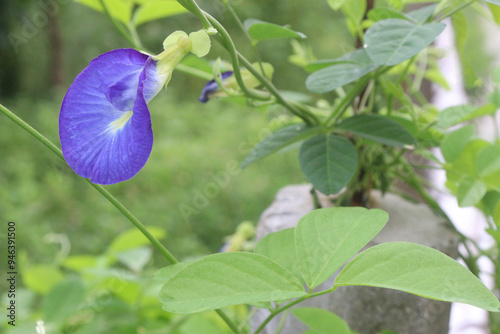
369,310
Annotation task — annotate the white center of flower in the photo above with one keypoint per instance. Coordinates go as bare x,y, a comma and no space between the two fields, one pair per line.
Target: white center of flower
120,122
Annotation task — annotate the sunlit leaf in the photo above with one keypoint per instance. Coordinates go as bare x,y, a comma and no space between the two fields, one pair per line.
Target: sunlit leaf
133,238
321,321
278,140
453,144
419,270
260,30
325,239
280,247
488,160
119,9
225,279
470,191
157,9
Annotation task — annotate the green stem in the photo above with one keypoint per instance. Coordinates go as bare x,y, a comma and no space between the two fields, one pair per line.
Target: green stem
287,306
302,112
247,35
346,101
228,321
467,4
99,188
194,72
236,57
228,43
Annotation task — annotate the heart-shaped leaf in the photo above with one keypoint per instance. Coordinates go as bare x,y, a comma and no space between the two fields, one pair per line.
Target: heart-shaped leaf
378,128
325,239
280,247
392,41
419,270
260,30
225,279
329,162
344,70
278,140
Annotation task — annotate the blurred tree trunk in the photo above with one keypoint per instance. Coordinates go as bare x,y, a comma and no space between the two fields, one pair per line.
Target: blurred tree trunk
56,61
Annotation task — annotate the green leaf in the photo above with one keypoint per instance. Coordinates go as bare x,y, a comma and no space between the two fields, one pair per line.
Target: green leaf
454,115
225,279
280,247
157,9
421,15
63,300
358,56
325,239
260,30
455,142
392,41
329,162
419,270
278,140
321,321
470,191
336,4
41,278
379,129
346,69
119,9
133,238
354,10
80,262
135,259
164,274
461,28
379,14
488,160
463,113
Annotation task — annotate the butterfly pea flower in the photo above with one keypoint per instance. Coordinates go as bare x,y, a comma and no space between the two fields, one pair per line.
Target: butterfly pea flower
104,122
230,85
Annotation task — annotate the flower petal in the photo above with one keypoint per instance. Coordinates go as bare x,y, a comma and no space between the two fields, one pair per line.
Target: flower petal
104,124
212,87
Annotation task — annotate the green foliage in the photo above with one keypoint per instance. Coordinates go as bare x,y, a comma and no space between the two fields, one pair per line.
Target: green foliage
156,9
260,30
280,139
326,239
280,247
392,41
228,279
321,321
328,161
379,129
418,270
346,69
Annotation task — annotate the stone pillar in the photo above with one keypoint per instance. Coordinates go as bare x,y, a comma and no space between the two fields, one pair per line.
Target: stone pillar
369,310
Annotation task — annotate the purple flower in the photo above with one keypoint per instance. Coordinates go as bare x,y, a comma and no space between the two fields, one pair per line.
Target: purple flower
104,124
212,88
